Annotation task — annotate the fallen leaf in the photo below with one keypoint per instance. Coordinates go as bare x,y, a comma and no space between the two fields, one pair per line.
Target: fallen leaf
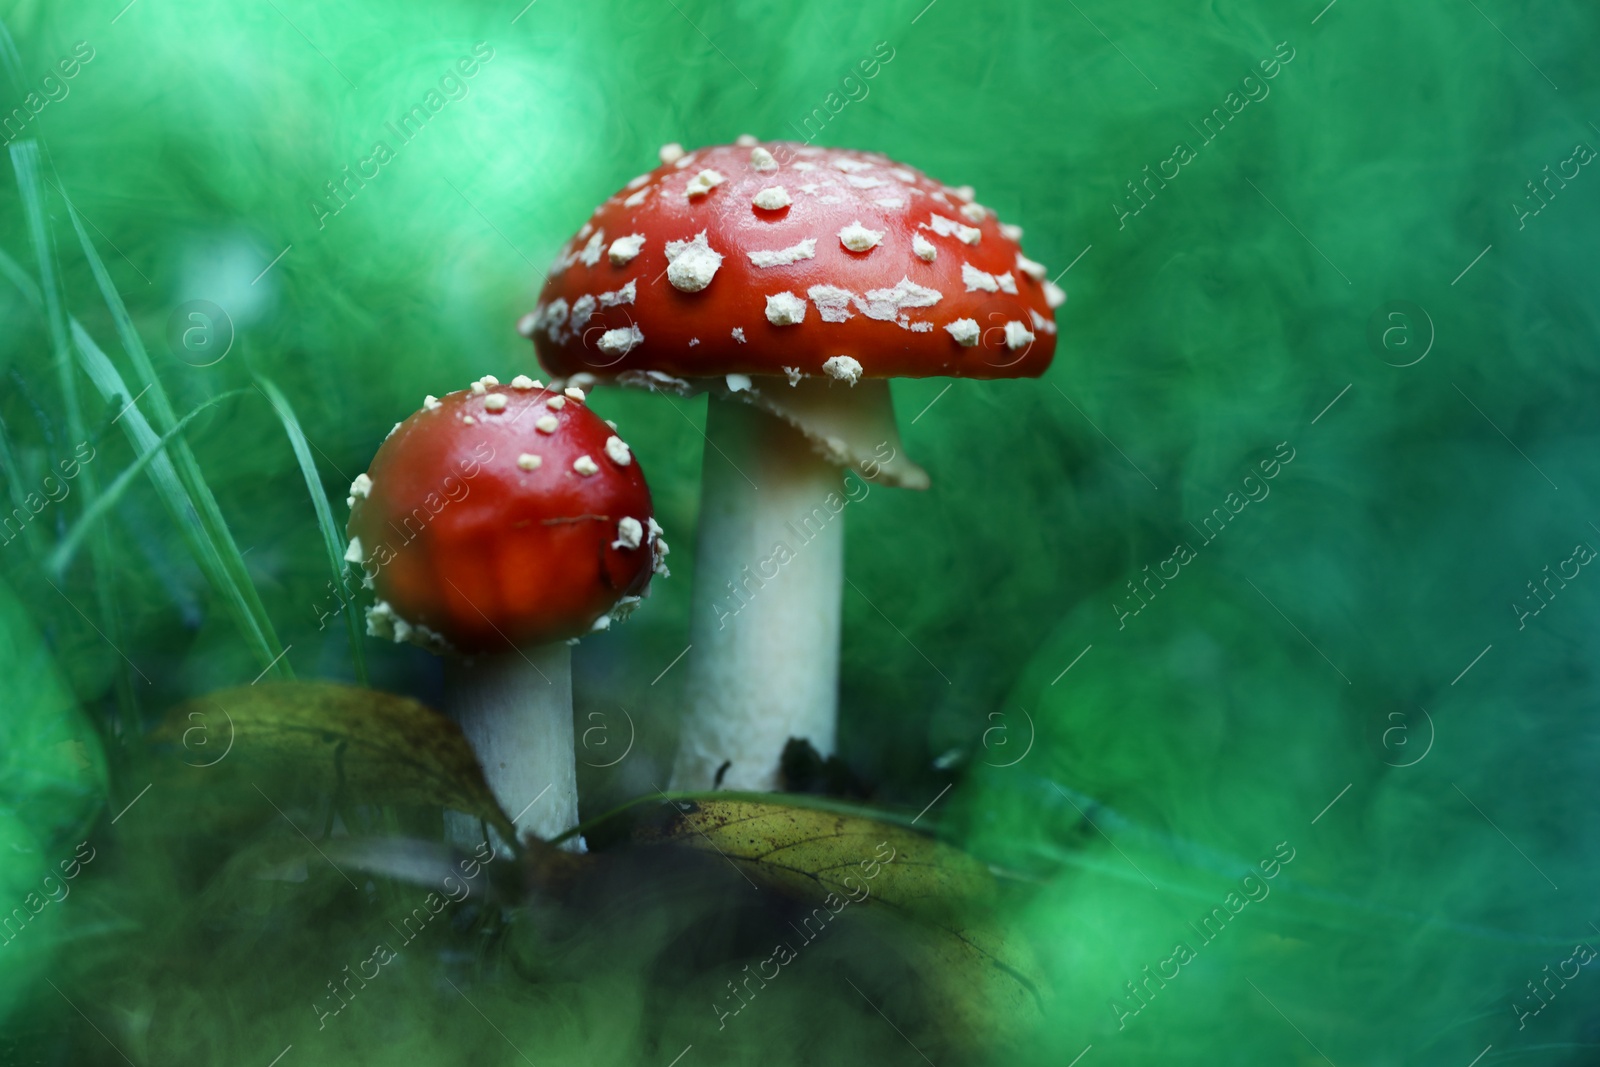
974,982
365,746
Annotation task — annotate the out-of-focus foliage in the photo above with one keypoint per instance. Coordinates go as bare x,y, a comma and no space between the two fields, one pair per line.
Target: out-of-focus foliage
52,778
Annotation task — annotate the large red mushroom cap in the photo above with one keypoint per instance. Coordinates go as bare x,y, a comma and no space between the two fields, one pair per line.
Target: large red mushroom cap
501,516
777,258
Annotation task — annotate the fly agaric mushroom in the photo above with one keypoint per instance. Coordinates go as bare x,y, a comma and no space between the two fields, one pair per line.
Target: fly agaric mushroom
789,282
500,523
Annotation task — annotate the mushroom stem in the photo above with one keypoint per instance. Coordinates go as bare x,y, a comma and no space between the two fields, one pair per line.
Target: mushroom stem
769,568
515,709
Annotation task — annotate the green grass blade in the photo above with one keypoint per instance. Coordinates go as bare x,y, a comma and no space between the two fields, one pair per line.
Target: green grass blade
11,57
20,278
176,472
13,475
61,558
332,537
238,587
25,160
163,472
127,333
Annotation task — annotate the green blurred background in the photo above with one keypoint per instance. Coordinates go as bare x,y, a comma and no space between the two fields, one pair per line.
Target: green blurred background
1350,272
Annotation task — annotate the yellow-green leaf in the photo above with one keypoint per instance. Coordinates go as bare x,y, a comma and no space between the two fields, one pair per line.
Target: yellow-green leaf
810,852
364,746
937,898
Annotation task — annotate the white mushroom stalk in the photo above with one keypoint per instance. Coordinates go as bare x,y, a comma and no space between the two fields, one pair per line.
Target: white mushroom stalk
769,573
769,567
515,709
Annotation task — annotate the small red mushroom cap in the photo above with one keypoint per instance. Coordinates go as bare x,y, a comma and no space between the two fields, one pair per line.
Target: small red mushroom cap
775,258
501,516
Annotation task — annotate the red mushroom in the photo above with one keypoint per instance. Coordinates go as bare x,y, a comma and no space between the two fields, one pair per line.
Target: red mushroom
790,282
500,523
